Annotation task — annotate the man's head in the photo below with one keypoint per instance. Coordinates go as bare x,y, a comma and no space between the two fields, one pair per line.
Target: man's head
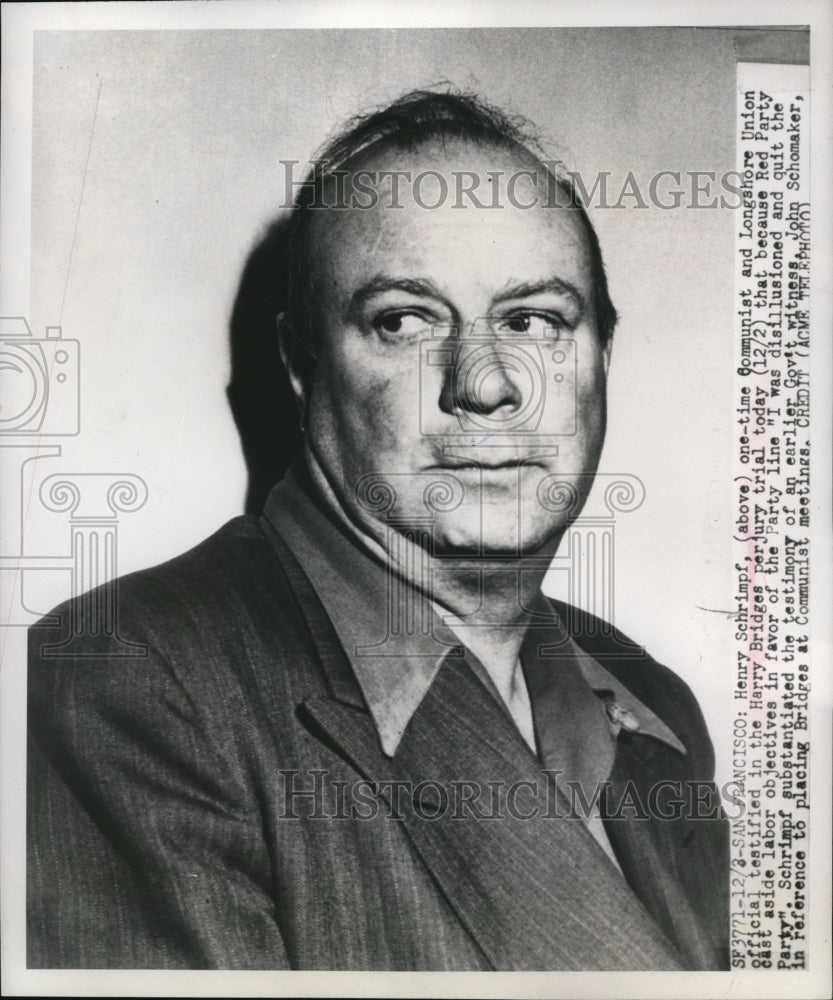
452,346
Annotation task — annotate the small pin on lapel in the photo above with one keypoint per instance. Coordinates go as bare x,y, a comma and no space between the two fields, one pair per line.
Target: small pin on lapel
622,717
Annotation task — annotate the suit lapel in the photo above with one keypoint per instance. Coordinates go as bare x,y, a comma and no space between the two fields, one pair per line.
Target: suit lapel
677,868
647,849
535,892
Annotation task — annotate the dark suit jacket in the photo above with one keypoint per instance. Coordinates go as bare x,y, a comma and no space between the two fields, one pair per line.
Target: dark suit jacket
165,831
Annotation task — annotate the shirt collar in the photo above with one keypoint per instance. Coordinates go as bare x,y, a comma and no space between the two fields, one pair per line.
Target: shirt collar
392,635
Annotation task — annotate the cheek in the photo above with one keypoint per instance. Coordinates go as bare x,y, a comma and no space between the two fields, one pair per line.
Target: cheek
591,400
355,407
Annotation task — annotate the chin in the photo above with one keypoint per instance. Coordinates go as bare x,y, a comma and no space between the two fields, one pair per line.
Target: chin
473,535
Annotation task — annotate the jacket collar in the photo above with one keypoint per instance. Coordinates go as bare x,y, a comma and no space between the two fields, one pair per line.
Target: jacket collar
519,886
393,635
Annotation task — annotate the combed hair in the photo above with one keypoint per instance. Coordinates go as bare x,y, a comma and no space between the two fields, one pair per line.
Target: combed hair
415,120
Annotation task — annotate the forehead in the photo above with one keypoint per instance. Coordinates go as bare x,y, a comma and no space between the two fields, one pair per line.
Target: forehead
461,214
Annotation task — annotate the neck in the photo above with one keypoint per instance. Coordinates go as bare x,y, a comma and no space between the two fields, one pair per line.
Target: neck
487,602
491,604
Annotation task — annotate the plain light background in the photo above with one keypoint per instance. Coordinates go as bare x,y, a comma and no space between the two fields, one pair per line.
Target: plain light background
184,172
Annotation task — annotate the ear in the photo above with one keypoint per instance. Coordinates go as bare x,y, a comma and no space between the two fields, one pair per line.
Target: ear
606,352
289,355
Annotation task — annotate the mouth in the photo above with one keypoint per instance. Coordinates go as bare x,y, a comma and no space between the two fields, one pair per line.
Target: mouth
452,463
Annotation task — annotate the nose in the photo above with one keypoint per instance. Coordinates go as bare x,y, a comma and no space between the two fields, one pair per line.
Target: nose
479,379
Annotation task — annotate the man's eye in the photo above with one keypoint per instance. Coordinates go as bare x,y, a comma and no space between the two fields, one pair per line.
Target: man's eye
401,324
532,325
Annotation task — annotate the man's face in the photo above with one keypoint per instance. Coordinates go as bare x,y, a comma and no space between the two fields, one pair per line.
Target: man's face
458,358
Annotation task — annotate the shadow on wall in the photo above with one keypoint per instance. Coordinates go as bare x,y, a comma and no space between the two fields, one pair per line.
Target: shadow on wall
259,392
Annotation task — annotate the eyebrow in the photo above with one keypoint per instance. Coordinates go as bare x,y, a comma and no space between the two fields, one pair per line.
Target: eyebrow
425,288
553,286
379,283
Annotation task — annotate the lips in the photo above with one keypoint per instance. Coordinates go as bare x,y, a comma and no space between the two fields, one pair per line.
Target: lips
451,463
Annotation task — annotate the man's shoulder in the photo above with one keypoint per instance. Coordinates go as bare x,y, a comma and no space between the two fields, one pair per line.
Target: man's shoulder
238,548
653,683
197,636
610,646
226,581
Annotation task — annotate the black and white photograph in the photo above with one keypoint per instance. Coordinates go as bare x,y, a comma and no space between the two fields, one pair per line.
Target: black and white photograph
415,440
